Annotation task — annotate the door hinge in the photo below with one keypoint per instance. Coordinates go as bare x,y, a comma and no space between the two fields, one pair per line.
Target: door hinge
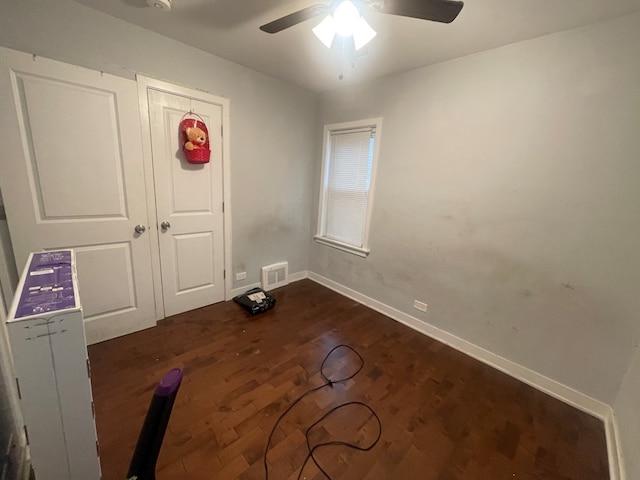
88,368
221,131
222,207
26,434
18,387
224,274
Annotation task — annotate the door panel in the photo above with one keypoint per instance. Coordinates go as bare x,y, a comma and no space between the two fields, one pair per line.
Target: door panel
194,261
59,150
191,191
189,197
107,275
72,177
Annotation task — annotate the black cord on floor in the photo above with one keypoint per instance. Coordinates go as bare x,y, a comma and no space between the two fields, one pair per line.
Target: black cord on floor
311,450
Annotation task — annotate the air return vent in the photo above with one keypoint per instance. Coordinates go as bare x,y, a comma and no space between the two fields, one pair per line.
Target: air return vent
274,276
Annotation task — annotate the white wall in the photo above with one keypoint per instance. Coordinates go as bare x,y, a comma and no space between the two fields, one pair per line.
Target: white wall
272,122
507,199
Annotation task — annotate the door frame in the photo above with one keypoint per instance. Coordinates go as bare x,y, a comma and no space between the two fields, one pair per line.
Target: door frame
144,85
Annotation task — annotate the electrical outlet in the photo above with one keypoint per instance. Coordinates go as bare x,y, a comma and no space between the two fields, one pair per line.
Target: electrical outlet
420,306
241,275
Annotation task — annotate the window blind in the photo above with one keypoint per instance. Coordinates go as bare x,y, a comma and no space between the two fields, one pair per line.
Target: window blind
348,179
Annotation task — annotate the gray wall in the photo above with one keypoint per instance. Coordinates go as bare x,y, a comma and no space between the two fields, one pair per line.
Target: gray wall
507,199
272,122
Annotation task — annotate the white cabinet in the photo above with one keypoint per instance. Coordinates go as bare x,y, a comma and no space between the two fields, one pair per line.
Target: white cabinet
46,332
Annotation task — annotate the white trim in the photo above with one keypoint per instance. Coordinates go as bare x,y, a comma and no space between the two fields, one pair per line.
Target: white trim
549,386
226,188
342,246
25,462
320,237
614,448
144,84
147,160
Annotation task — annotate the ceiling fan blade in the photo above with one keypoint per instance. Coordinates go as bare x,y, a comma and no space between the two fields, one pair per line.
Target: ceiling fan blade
294,18
444,11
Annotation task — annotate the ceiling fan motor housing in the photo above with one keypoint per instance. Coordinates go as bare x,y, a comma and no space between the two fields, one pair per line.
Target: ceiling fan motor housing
164,5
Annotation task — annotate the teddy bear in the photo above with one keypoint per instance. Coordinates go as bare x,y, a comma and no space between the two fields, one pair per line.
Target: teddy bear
196,138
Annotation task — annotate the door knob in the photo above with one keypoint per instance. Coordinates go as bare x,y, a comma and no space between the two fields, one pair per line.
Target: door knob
140,228
165,225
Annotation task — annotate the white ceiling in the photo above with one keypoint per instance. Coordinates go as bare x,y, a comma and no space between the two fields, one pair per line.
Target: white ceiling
229,29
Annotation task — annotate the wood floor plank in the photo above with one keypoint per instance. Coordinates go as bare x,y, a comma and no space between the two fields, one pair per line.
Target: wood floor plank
444,415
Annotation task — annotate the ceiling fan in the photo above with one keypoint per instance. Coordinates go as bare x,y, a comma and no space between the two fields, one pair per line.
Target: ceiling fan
443,11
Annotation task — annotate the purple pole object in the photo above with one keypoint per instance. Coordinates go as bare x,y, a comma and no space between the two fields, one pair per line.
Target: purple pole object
145,456
169,383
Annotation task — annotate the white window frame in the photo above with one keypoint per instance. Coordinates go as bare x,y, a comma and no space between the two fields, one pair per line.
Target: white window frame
320,236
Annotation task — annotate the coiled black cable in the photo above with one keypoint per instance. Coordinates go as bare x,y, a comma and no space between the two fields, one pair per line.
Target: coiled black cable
311,450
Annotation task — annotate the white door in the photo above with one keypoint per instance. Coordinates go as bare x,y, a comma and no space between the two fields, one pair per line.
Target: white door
189,203
72,176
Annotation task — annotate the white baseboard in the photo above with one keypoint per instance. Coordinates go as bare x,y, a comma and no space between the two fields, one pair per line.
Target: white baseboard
549,386
295,277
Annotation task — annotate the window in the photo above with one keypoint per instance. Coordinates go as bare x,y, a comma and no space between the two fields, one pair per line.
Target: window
348,172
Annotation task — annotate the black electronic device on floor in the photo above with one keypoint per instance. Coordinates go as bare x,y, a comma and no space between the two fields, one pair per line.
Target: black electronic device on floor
255,301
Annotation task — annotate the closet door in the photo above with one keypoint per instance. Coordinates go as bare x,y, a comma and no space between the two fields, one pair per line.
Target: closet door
189,202
72,176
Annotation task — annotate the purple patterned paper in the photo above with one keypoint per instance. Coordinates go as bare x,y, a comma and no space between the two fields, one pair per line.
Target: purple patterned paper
48,286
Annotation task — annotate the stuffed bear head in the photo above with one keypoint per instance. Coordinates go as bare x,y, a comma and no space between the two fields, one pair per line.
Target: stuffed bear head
196,138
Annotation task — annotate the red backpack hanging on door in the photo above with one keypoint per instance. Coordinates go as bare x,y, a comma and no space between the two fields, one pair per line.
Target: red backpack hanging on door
195,139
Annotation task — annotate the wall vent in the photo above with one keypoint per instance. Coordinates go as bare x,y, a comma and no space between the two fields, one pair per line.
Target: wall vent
274,276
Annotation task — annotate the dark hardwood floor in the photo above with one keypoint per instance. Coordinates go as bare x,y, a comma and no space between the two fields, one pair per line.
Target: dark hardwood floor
444,415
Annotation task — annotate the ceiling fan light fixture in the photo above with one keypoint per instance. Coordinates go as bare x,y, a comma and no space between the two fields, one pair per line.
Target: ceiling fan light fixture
346,16
362,33
345,21
326,31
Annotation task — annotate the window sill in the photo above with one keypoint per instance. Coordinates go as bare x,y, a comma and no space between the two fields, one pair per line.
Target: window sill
361,252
